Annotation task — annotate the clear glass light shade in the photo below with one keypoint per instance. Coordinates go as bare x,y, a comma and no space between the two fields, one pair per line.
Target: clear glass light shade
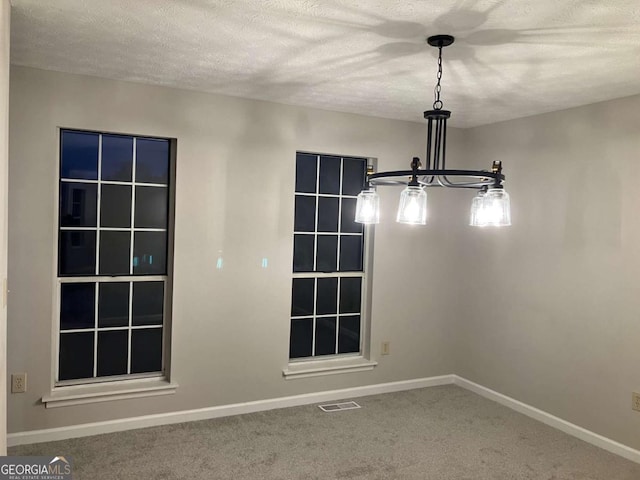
477,214
368,207
413,206
492,209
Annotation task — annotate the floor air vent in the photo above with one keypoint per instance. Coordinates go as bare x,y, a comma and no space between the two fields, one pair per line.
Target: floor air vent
336,407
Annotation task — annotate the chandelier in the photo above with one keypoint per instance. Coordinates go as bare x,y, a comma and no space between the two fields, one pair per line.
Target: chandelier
490,206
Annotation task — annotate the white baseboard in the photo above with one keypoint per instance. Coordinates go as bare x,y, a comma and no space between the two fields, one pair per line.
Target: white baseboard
87,429
551,420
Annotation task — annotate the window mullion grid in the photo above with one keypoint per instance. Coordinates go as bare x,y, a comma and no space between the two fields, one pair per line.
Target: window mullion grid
98,279
95,332
337,313
337,274
315,227
97,271
120,182
162,326
315,308
338,252
115,229
98,206
354,273
129,328
315,258
134,327
133,205
332,195
345,234
115,278
131,241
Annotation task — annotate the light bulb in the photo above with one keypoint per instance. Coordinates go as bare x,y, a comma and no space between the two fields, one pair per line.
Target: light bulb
368,207
413,206
477,210
494,209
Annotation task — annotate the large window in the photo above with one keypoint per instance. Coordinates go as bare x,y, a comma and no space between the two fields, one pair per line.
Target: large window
113,256
328,253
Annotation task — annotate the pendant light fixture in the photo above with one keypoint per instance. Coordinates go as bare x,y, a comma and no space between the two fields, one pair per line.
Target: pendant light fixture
490,207
368,206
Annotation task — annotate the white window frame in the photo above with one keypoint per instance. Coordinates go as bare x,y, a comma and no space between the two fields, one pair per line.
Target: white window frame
340,362
115,387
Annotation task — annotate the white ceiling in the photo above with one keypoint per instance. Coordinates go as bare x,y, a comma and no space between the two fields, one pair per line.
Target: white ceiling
511,58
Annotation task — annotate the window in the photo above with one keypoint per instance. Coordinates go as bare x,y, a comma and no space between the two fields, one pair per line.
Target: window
113,256
328,254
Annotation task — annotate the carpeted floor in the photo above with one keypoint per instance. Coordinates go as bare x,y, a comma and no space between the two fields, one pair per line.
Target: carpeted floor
438,433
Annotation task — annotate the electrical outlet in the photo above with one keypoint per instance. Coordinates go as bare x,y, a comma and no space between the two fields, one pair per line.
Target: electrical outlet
385,348
635,401
18,383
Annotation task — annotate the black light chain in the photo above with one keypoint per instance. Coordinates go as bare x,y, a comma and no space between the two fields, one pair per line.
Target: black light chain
437,104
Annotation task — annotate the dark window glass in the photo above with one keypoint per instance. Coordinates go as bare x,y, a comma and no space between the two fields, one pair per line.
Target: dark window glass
349,334
329,175
78,204
328,214
148,303
79,155
305,214
300,341
115,206
353,175
348,215
150,253
115,253
303,253
77,253
327,300
77,305
152,161
112,352
351,253
326,336
350,294
335,242
117,158
151,207
113,304
146,350
306,173
327,253
106,208
76,356
302,294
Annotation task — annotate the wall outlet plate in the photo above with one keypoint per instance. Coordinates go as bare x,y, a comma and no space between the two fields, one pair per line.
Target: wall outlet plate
635,401
18,383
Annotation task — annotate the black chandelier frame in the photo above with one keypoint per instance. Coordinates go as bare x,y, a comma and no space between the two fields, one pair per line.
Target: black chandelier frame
436,174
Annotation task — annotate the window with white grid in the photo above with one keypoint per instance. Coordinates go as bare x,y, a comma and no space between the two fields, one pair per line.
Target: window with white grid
113,258
328,257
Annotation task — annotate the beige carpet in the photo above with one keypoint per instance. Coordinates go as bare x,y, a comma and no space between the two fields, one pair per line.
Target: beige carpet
436,433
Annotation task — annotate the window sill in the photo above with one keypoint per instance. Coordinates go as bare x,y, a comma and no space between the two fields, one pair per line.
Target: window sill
316,368
81,394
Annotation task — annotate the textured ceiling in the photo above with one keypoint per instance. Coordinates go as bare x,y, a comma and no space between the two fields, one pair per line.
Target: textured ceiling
512,58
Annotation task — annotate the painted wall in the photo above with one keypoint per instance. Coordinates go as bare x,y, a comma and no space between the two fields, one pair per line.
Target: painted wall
5,16
234,194
559,330
553,303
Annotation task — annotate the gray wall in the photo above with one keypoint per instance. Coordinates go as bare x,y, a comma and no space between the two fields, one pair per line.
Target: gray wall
5,14
545,311
561,328
231,326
